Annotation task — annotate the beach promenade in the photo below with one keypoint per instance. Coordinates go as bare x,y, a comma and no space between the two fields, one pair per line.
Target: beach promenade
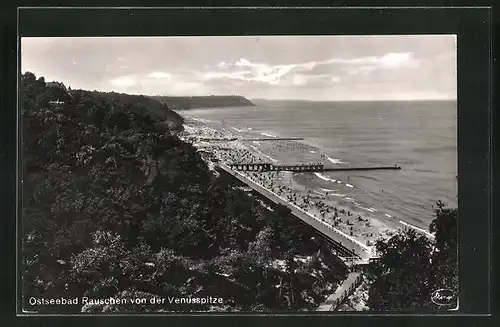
346,246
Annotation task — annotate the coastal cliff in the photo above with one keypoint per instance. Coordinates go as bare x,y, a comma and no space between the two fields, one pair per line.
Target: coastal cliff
186,103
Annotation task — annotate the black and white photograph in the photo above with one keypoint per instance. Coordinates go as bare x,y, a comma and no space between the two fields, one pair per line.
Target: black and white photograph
239,174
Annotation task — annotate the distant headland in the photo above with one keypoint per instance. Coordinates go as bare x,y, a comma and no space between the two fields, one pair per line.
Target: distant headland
192,102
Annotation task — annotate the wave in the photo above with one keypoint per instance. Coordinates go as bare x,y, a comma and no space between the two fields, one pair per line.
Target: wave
374,210
236,129
325,178
348,185
339,195
327,190
367,209
388,215
266,134
249,128
334,160
312,151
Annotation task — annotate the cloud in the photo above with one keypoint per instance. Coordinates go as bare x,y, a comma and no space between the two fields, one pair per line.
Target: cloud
299,79
238,75
303,73
221,65
245,70
289,67
123,81
159,75
154,83
394,60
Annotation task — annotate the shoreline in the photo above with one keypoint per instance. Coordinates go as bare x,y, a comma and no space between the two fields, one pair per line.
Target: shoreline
329,203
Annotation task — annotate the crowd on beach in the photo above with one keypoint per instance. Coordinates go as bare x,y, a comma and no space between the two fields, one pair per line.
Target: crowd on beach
280,183
323,206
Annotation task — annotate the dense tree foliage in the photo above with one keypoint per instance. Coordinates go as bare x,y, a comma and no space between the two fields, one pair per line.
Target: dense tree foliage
412,266
116,205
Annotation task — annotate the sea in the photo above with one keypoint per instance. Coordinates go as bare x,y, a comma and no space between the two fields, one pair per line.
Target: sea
420,136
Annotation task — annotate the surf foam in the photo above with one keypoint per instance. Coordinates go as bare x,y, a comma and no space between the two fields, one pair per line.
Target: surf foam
334,160
325,178
339,195
367,209
329,191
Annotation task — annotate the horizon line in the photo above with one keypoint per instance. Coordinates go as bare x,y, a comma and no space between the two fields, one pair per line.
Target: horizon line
356,100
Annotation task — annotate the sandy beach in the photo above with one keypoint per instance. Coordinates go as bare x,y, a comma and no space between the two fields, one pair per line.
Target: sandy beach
327,203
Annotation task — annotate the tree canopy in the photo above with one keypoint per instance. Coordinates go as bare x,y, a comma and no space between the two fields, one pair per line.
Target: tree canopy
114,204
411,266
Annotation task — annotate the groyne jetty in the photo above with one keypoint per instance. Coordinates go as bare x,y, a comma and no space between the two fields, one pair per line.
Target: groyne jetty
260,139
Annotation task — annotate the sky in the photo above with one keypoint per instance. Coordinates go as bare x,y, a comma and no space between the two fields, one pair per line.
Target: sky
317,68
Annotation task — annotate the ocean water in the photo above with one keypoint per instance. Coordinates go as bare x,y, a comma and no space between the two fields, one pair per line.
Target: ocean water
419,136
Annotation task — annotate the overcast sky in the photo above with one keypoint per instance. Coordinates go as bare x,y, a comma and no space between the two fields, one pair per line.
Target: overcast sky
273,67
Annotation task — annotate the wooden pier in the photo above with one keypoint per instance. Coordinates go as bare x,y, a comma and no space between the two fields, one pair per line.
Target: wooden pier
209,139
395,167
313,167
274,139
